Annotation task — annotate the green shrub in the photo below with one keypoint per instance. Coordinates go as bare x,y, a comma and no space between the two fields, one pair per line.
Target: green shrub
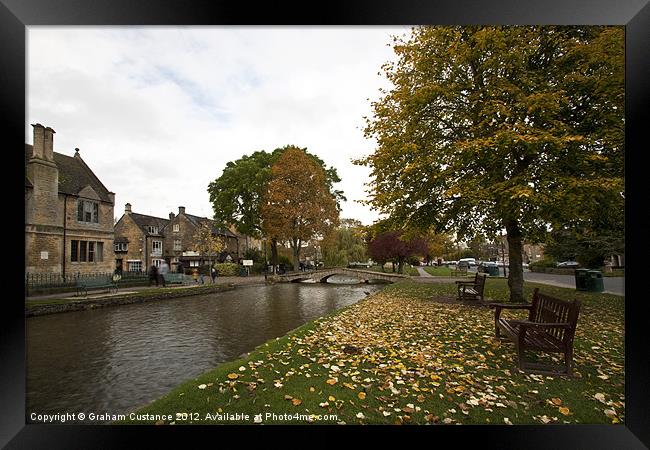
258,268
227,269
542,264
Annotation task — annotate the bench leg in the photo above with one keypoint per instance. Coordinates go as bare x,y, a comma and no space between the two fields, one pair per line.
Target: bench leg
568,361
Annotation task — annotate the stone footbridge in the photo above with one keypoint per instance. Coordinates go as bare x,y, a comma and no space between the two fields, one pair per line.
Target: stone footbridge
363,276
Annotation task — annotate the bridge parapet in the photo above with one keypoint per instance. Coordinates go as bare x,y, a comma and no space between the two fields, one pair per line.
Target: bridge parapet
324,274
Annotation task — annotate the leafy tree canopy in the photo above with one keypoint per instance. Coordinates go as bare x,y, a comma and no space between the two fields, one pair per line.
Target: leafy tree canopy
487,128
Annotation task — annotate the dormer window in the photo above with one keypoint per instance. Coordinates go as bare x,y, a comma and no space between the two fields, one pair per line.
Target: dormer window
87,211
152,229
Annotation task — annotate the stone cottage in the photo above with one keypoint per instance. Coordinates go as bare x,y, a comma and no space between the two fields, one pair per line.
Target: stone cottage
68,212
142,240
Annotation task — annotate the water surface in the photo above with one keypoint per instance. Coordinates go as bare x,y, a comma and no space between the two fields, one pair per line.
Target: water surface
114,360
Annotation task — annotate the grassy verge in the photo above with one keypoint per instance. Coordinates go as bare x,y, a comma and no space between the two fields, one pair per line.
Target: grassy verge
438,271
615,273
148,293
399,357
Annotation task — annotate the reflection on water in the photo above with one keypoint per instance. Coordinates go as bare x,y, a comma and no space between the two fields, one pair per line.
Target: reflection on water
113,360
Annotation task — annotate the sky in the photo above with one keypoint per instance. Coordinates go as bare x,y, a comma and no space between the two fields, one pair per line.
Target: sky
157,112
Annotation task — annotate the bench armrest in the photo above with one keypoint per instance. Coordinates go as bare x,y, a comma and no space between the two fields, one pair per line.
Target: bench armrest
529,324
508,306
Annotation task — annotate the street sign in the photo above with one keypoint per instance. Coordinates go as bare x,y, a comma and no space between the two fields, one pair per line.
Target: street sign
247,262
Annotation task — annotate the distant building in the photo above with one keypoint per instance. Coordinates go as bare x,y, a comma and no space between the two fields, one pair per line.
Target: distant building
142,240
68,212
179,245
139,241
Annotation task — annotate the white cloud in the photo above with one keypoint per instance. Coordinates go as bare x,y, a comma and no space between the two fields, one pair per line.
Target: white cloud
158,111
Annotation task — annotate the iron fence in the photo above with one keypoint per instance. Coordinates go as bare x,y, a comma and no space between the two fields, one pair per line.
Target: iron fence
57,280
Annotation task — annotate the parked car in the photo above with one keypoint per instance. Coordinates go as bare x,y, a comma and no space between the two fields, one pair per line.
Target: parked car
568,264
470,261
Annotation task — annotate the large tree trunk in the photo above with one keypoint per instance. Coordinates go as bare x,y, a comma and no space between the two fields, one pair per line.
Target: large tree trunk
400,265
274,253
516,275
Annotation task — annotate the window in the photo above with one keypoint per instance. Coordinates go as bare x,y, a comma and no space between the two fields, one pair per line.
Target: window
156,262
82,250
121,247
177,244
152,229
176,227
194,264
86,251
135,266
156,248
74,250
87,211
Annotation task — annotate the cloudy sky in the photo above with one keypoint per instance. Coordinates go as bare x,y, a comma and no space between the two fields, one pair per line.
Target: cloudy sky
158,111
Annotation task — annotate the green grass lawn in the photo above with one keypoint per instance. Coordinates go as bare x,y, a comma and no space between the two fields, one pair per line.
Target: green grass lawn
441,271
399,357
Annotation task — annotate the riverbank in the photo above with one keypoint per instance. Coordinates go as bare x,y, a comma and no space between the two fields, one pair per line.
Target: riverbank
54,304
410,354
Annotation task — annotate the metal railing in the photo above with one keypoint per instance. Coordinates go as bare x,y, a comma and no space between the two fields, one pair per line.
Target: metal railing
57,280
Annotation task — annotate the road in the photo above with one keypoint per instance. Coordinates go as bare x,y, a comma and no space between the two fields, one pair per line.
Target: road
612,285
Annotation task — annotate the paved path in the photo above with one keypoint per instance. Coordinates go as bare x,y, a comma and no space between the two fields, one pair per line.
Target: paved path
424,273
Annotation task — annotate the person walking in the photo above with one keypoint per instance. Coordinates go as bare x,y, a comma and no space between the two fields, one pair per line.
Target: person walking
153,275
163,270
213,274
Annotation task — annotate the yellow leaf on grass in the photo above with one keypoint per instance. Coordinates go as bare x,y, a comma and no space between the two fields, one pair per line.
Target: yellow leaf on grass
361,395
564,410
233,376
331,382
556,401
296,402
331,398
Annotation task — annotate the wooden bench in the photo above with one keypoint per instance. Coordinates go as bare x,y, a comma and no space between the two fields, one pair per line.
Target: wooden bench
174,278
459,271
471,290
96,283
550,327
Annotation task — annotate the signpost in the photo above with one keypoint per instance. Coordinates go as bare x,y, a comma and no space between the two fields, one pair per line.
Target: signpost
247,263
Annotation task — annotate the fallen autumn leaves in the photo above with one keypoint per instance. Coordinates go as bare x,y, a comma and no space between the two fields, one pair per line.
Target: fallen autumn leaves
416,361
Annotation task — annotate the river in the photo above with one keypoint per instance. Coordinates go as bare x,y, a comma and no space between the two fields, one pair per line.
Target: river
116,359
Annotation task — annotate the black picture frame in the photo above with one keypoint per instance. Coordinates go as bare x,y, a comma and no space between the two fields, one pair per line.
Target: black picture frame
16,15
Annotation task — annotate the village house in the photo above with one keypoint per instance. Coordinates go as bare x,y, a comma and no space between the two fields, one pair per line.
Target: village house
68,212
142,240
139,241
179,246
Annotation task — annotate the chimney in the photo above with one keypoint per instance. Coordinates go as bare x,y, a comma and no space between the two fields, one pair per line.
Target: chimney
171,216
181,210
39,135
48,144
127,208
